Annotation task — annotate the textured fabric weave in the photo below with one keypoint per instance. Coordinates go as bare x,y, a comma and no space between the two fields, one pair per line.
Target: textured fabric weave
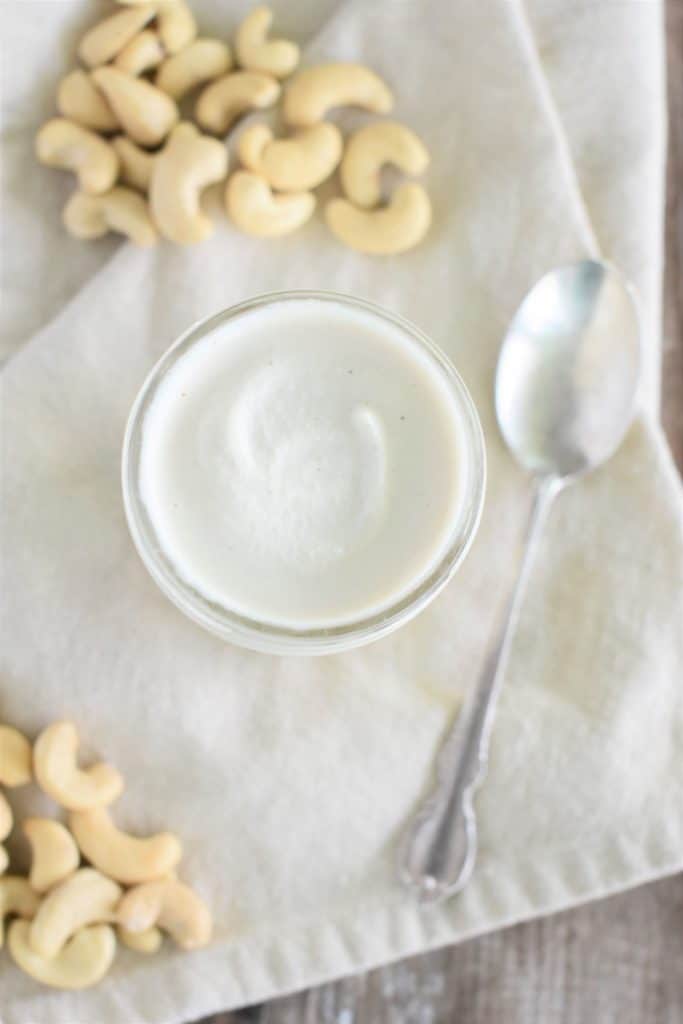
291,780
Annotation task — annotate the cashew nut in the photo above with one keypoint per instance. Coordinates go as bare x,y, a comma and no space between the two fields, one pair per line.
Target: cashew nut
87,897
136,163
201,61
148,941
80,101
223,101
6,817
186,165
142,52
119,855
57,772
108,37
16,897
15,757
82,962
393,228
383,142
251,145
254,209
145,113
314,91
4,859
172,906
277,57
65,144
175,25
54,854
121,210
295,164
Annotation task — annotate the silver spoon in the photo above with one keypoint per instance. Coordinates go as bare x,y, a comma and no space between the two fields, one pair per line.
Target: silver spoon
565,392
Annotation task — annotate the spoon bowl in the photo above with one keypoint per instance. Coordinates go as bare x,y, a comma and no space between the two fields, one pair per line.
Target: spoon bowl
568,370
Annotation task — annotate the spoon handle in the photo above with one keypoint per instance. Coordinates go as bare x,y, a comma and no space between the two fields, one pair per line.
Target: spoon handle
438,853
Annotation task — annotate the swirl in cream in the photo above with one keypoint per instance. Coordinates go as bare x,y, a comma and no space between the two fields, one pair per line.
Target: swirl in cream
301,465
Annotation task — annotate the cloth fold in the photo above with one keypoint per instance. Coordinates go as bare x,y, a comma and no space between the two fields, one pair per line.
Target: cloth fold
291,780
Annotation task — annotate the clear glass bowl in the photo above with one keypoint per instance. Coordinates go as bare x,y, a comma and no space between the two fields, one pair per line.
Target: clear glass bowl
264,636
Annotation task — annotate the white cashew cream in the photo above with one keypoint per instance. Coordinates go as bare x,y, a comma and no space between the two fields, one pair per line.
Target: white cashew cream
303,464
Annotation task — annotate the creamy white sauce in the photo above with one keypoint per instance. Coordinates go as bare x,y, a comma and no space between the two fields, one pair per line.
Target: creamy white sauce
303,465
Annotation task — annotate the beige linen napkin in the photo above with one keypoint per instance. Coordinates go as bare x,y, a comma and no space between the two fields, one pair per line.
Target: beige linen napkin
291,780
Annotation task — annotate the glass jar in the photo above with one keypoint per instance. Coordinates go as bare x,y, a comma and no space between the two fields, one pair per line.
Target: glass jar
264,636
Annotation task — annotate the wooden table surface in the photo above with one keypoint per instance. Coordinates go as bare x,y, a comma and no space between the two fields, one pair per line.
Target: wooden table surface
618,961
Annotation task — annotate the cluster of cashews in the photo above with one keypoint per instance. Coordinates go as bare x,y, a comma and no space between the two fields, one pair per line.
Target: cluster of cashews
142,171
360,220
295,165
67,916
